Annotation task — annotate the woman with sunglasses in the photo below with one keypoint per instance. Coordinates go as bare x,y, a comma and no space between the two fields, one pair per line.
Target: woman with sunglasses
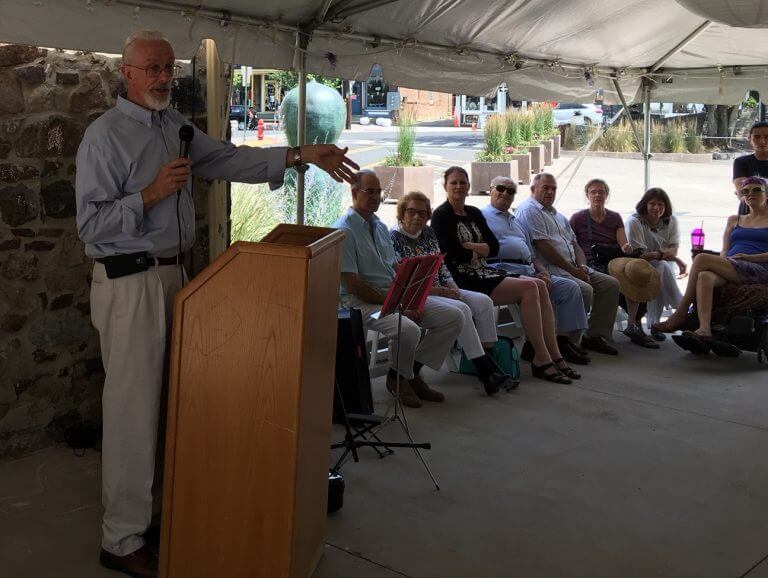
743,261
412,237
466,240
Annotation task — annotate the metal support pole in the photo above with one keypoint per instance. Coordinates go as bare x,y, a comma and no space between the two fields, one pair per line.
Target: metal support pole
647,132
302,42
632,124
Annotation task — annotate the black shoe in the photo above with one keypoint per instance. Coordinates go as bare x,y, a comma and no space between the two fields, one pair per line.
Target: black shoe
489,374
577,348
692,342
598,344
140,564
527,353
658,335
568,351
638,337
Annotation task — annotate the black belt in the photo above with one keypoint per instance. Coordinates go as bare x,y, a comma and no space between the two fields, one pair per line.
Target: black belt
151,261
513,261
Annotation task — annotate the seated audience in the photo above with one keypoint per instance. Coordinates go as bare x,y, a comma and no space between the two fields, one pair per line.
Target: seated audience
367,270
601,236
466,240
743,261
556,245
652,230
412,237
516,256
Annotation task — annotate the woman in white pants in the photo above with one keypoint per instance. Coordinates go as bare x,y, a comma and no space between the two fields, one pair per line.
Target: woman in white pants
412,238
653,229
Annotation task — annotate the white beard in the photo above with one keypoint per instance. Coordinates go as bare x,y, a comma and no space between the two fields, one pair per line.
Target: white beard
157,103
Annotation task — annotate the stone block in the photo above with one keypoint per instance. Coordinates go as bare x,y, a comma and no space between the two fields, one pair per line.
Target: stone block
547,144
40,246
61,301
90,95
12,322
23,232
50,137
67,78
397,181
537,158
50,233
11,96
17,205
5,148
62,327
34,74
10,244
59,200
50,169
15,54
482,173
41,356
523,161
13,173
20,267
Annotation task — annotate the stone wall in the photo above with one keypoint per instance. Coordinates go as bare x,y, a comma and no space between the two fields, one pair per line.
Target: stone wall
50,367
427,105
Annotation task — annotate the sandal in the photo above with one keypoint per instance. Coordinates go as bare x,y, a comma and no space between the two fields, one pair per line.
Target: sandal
692,342
668,326
563,368
540,371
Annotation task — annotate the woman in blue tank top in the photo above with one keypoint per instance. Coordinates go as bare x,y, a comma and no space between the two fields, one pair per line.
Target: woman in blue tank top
743,261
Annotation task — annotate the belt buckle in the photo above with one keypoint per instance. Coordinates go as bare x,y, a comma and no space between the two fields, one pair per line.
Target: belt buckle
141,260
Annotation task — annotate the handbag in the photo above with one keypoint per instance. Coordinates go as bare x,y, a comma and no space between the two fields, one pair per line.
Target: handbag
505,355
604,253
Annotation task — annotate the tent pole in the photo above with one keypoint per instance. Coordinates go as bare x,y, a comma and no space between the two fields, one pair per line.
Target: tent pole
626,111
647,132
302,43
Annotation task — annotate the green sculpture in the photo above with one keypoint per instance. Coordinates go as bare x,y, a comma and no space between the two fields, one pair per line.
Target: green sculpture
326,114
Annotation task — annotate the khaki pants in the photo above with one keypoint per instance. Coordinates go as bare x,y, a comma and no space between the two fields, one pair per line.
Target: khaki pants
601,300
133,317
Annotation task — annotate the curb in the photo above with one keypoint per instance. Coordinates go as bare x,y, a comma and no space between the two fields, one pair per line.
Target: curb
669,157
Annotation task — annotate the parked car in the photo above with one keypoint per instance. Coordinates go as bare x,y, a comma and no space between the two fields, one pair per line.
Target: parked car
236,112
574,113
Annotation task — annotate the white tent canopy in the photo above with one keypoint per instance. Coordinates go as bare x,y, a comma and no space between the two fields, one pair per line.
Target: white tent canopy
540,48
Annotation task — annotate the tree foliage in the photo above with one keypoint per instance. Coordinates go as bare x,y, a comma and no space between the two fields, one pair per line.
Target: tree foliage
289,79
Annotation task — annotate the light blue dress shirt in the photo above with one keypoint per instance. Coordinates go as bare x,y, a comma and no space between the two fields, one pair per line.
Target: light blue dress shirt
514,242
366,250
547,224
120,156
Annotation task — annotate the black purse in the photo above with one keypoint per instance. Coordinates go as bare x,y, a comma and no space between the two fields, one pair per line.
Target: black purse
604,253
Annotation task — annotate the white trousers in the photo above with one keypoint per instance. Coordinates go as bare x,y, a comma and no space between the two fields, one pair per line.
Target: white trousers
479,321
443,324
670,293
133,317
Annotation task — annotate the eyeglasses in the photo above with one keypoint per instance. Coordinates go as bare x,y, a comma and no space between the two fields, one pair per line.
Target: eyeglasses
376,192
597,192
755,190
416,212
509,190
154,70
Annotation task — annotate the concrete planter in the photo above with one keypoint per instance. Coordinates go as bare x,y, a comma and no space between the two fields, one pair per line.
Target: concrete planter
396,181
556,146
523,167
547,144
537,158
481,174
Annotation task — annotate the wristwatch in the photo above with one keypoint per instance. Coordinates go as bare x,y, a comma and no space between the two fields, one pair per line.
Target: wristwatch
295,153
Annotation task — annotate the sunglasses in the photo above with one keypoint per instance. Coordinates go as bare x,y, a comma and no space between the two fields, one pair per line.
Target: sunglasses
509,190
416,212
755,190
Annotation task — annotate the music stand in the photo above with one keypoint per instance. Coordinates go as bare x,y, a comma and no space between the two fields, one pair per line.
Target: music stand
408,292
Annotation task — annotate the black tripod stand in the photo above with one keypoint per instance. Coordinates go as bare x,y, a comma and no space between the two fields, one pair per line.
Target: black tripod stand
413,279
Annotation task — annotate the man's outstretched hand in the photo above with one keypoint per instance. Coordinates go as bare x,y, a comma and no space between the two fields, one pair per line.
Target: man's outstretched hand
332,160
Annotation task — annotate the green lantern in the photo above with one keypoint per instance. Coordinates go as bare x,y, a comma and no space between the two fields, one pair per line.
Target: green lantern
326,114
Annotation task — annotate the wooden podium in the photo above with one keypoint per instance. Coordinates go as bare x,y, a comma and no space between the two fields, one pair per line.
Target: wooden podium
249,410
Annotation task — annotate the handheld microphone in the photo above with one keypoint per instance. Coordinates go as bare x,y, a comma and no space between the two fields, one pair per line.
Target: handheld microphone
186,134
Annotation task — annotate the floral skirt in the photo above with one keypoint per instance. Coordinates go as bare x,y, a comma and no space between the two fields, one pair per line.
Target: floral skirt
749,272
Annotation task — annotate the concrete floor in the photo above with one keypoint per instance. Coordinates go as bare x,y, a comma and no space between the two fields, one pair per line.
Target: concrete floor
652,465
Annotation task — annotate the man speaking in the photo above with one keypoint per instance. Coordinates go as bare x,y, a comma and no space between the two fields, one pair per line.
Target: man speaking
135,215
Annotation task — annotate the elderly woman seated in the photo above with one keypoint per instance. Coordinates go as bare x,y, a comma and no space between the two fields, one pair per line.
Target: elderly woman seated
413,237
743,261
